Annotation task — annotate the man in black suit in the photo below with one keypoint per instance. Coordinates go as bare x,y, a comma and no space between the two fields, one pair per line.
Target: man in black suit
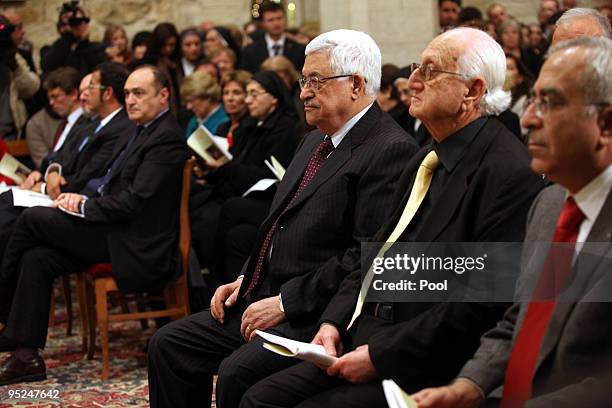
130,219
480,189
335,194
274,42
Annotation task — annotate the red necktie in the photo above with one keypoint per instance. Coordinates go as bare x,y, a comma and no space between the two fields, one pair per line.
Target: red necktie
317,159
558,263
58,133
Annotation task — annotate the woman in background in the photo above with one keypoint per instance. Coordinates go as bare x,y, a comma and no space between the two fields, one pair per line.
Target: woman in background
191,50
201,94
117,41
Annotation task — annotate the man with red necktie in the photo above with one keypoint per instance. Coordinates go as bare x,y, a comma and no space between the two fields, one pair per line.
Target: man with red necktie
553,347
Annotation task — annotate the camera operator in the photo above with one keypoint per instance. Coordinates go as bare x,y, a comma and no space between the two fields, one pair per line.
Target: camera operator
17,82
73,48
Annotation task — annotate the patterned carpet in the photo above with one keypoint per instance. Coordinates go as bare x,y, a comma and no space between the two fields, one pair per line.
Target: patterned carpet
78,380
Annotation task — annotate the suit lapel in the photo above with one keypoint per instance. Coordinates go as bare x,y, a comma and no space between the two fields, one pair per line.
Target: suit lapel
601,232
340,155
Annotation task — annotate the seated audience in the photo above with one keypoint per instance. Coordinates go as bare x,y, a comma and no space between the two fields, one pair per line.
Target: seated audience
40,132
217,38
549,350
389,99
270,130
129,220
233,91
509,33
208,67
201,94
417,343
519,82
139,45
448,13
117,42
224,59
191,50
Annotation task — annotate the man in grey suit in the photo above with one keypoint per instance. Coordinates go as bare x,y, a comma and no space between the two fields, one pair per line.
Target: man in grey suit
557,352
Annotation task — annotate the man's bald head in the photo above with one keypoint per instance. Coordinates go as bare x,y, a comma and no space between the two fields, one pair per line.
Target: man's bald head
581,22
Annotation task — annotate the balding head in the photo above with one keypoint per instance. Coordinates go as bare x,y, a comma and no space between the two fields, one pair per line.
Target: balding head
581,22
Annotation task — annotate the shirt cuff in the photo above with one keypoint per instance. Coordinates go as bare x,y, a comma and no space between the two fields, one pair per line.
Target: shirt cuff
43,188
53,168
280,303
85,198
482,394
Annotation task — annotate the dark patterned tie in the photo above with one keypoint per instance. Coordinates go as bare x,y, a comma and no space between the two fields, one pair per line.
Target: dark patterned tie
317,159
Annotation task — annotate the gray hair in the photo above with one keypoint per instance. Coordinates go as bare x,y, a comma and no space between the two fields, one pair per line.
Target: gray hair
351,52
484,57
580,13
596,79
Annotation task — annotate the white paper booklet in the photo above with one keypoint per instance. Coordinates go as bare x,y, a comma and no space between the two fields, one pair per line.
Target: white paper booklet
13,168
27,198
396,397
211,148
275,167
313,353
261,185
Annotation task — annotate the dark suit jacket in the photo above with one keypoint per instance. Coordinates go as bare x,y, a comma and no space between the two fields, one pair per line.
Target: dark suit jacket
89,163
573,365
69,149
142,201
319,235
487,199
254,54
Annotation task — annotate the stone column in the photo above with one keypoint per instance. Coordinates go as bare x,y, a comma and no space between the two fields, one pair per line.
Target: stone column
401,28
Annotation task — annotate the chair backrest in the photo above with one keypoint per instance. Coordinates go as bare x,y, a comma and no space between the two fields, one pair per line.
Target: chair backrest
185,230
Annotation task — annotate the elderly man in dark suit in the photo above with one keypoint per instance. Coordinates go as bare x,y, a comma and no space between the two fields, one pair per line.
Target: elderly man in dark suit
335,194
473,184
273,43
557,351
129,219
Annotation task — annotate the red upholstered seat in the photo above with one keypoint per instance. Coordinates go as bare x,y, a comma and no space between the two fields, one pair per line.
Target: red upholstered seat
99,271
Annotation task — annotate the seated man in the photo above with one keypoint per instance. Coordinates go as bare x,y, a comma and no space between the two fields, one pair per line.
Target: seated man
335,194
130,220
85,153
556,352
475,186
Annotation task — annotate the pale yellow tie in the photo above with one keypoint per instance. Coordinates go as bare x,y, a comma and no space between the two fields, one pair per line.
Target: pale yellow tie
417,194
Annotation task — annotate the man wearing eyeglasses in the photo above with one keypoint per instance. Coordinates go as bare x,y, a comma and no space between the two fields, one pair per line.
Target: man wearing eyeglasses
334,195
557,351
471,184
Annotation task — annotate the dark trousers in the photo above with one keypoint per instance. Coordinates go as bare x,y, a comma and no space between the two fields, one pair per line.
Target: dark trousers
184,356
8,216
45,244
305,385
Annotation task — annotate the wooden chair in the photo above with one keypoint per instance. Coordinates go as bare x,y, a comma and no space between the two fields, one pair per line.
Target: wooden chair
18,148
97,282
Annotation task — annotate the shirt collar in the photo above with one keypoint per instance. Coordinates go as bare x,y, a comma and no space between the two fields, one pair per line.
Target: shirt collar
212,112
591,198
146,125
74,116
107,119
270,42
337,137
451,150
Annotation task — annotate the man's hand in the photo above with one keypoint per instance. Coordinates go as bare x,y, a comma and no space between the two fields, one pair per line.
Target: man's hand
460,394
225,296
33,178
54,185
328,336
355,366
69,201
261,315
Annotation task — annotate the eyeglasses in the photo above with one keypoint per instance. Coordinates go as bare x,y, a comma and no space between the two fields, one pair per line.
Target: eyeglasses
427,71
544,104
93,86
316,82
255,94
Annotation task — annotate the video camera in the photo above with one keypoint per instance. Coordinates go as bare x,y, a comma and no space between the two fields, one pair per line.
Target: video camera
73,7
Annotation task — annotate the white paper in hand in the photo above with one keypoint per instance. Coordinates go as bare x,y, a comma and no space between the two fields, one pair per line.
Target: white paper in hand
313,353
27,198
396,397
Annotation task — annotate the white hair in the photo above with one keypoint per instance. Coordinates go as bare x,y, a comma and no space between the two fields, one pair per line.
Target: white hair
581,13
596,79
483,57
351,52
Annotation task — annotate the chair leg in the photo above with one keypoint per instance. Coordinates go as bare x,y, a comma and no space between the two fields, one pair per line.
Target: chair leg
91,318
140,307
68,302
102,312
83,312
